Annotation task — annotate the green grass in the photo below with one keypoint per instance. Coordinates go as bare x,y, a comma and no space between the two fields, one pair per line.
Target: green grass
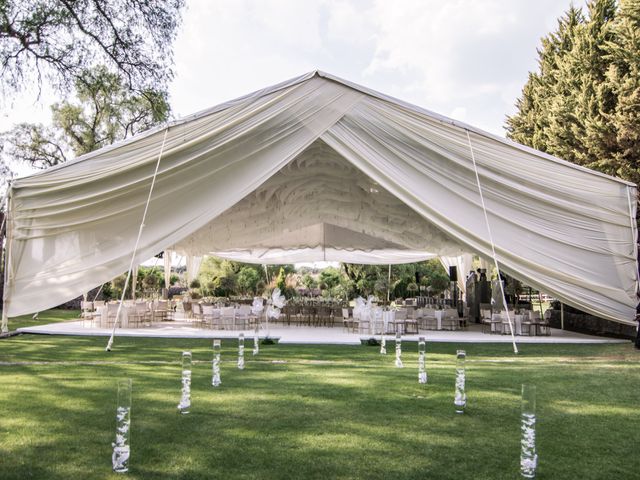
315,412
47,316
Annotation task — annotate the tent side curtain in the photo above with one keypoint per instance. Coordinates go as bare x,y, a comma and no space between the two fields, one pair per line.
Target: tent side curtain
76,227
193,267
564,230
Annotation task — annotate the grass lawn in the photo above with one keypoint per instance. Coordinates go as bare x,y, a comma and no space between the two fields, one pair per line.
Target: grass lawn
315,412
47,316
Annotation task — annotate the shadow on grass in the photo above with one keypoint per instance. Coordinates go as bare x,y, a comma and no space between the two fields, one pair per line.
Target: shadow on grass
354,417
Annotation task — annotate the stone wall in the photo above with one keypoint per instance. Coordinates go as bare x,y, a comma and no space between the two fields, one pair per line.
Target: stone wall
589,324
75,303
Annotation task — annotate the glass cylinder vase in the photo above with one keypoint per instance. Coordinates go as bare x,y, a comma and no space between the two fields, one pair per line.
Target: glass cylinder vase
256,340
460,399
399,351
528,454
185,400
121,446
241,351
383,329
215,379
422,371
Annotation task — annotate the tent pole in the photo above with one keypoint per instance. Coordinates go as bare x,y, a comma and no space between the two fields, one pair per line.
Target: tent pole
561,316
493,246
540,303
389,285
6,277
98,292
135,248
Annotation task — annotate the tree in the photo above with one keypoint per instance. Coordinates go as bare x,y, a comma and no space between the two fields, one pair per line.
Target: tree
60,39
104,111
583,102
368,279
280,281
247,280
434,275
330,277
309,282
230,278
624,76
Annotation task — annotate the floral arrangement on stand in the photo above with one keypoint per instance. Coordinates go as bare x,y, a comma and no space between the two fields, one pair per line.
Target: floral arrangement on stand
274,306
256,310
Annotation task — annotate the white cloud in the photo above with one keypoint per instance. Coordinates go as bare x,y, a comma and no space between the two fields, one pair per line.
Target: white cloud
461,51
460,57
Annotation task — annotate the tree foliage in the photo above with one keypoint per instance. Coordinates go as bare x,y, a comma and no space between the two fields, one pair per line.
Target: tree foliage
226,278
374,279
104,111
583,103
330,277
248,279
60,39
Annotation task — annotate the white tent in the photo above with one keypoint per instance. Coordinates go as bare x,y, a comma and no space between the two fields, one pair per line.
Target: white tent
317,168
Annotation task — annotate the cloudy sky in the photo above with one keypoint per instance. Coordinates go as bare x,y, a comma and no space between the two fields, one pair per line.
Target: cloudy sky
467,59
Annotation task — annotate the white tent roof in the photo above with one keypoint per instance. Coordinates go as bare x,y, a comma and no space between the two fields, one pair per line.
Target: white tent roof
317,168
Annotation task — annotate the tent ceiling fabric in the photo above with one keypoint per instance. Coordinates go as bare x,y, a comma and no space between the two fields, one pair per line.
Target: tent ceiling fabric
319,204
318,168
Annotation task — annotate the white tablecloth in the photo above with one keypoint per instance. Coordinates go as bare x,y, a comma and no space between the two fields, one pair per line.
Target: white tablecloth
439,314
103,313
518,324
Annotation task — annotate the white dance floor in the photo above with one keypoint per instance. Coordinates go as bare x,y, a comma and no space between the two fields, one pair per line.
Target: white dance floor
309,335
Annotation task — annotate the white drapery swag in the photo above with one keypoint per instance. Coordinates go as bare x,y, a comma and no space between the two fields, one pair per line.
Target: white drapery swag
409,188
193,267
167,268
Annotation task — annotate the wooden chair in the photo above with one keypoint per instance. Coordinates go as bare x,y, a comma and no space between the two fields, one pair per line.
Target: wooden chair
411,323
241,319
227,318
142,314
364,324
87,313
160,311
186,307
347,320
506,328
196,312
450,319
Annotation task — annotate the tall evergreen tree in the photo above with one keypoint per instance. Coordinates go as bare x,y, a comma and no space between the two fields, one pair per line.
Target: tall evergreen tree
624,76
582,104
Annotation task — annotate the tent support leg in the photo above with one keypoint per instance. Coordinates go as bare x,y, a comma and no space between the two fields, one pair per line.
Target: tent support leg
135,248
7,277
493,246
389,286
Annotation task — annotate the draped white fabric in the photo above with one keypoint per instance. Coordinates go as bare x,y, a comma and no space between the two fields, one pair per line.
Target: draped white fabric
193,267
167,268
317,168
